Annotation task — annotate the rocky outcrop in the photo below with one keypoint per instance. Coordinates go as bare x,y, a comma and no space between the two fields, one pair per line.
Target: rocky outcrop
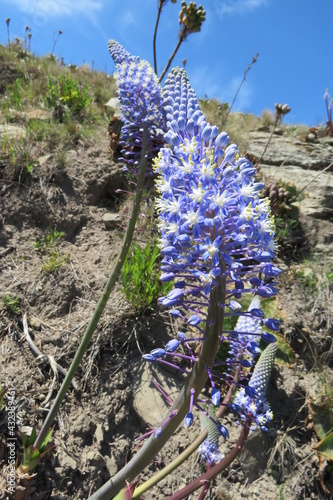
294,161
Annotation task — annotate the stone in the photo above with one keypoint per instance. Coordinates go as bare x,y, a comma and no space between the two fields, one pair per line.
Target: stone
317,199
99,434
113,104
65,460
82,425
37,114
94,456
111,220
148,403
111,465
35,323
12,132
42,160
297,162
286,150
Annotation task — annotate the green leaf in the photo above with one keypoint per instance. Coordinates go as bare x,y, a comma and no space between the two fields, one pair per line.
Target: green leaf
31,457
28,440
285,354
46,440
322,420
325,446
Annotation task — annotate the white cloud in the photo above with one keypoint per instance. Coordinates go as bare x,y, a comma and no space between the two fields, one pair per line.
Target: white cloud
230,7
128,19
58,7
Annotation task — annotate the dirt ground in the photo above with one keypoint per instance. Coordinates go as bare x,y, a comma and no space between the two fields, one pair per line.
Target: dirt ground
97,425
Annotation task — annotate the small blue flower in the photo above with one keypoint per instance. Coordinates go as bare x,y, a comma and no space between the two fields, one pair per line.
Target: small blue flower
172,345
272,324
188,420
210,452
158,353
268,337
215,396
223,431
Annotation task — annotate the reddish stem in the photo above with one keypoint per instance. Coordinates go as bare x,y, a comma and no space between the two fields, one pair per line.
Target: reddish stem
216,469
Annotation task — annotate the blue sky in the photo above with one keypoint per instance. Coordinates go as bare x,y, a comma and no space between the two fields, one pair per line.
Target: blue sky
293,38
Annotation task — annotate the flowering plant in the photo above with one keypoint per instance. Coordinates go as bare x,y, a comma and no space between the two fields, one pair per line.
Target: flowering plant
217,244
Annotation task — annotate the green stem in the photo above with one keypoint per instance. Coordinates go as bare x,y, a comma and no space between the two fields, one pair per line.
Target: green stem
182,37
140,490
196,380
104,298
269,140
237,92
160,7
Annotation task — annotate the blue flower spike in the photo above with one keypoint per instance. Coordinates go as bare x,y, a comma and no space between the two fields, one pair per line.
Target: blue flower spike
252,399
209,449
140,97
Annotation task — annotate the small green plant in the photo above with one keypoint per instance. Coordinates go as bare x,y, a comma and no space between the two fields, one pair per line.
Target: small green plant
15,93
54,261
140,276
307,273
18,156
50,245
49,240
31,455
67,91
11,303
281,495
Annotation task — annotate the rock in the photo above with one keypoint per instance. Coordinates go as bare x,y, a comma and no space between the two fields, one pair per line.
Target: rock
99,434
35,323
148,403
318,189
94,456
111,465
37,114
42,160
286,150
65,460
82,425
12,132
114,105
111,220
326,140
293,161
310,137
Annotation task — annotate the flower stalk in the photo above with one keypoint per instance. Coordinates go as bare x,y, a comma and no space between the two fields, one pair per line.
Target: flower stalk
196,380
115,273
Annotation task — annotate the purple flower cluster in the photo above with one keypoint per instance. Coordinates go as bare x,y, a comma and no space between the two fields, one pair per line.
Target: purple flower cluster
140,97
213,223
210,213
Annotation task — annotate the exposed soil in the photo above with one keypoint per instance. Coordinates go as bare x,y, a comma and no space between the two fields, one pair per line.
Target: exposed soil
97,425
